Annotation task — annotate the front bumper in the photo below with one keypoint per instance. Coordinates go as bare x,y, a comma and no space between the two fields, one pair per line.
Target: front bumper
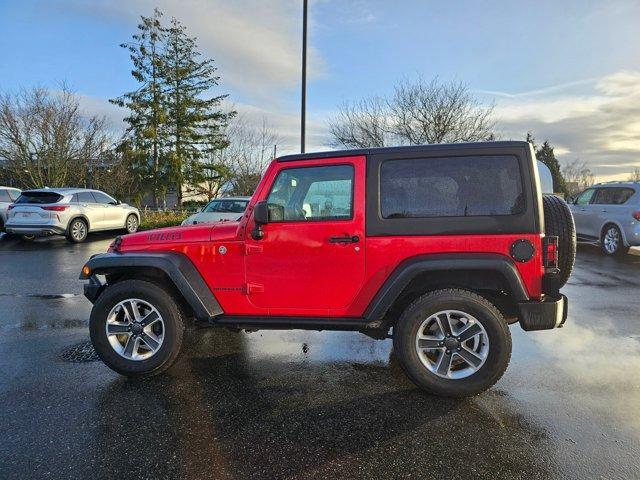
39,230
93,289
551,312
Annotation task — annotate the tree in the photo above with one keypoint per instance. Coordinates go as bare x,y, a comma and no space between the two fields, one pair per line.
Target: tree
546,155
194,123
635,175
45,140
248,154
578,176
417,113
147,106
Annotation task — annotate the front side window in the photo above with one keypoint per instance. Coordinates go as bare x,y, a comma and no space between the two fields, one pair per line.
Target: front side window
103,198
451,187
312,194
585,197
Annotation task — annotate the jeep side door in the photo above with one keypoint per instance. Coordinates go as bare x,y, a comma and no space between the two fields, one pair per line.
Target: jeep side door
311,259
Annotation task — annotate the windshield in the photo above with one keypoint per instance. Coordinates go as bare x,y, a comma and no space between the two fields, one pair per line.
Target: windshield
39,197
226,206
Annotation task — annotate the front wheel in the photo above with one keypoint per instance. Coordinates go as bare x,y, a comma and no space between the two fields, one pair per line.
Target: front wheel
611,241
131,225
452,343
136,328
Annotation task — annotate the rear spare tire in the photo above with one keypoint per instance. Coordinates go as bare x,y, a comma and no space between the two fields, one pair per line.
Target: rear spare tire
558,222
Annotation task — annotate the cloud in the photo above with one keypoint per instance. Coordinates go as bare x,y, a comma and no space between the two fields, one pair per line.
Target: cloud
600,126
256,44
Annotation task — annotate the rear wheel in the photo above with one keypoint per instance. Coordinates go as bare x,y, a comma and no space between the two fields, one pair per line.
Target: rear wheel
611,241
78,231
136,328
558,222
452,343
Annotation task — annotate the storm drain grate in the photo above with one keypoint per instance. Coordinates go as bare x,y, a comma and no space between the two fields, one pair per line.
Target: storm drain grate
79,353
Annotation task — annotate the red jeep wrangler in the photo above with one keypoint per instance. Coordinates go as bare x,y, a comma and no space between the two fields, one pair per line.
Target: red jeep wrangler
442,245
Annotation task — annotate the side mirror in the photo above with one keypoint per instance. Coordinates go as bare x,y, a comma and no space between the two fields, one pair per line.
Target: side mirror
261,213
260,217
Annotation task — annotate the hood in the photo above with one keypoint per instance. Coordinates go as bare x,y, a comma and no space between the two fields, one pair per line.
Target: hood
183,234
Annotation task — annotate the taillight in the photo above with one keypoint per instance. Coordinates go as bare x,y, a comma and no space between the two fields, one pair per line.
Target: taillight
56,208
550,251
635,215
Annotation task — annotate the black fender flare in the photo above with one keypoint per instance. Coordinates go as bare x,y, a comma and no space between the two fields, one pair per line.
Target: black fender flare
178,268
414,266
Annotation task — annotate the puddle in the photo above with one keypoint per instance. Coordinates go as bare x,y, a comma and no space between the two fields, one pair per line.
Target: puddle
80,353
41,295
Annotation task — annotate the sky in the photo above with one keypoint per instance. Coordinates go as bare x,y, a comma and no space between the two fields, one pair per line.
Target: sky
568,71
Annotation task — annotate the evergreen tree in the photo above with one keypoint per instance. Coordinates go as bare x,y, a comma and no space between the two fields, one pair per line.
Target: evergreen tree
546,155
195,121
147,106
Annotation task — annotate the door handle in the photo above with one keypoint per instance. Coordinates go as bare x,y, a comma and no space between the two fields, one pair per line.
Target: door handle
346,239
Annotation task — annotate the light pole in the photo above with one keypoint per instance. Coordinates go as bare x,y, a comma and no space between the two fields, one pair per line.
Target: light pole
303,110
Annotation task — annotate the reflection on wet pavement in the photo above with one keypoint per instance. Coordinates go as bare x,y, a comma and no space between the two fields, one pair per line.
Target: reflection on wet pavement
324,405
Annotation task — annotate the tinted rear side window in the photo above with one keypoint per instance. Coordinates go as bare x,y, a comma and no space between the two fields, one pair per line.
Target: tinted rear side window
39,197
4,196
86,197
451,187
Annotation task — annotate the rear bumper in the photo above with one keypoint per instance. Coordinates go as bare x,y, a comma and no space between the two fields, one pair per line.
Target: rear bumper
551,312
40,230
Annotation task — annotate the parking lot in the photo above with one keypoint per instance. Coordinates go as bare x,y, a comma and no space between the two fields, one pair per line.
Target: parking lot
308,404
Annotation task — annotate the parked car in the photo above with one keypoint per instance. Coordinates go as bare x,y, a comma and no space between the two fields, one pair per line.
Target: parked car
609,213
445,245
8,195
228,208
73,212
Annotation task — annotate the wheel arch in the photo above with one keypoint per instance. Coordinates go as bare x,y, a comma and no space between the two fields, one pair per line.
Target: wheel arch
77,216
493,276
620,229
172,270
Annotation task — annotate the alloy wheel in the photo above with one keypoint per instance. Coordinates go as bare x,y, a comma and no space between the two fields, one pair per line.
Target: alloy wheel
132,224
78,230
135,329
611,240
452,344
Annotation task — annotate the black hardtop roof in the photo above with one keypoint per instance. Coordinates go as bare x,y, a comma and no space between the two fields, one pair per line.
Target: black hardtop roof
404,149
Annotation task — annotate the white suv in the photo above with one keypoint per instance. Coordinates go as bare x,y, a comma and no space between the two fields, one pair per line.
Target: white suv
73,212
8,195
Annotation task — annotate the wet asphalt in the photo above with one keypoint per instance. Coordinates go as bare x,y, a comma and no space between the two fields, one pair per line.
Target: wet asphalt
307,404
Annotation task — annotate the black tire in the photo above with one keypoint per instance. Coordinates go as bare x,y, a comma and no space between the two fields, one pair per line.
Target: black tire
497,336
558,222
173,328
131,224
27,238
77,231
609,249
